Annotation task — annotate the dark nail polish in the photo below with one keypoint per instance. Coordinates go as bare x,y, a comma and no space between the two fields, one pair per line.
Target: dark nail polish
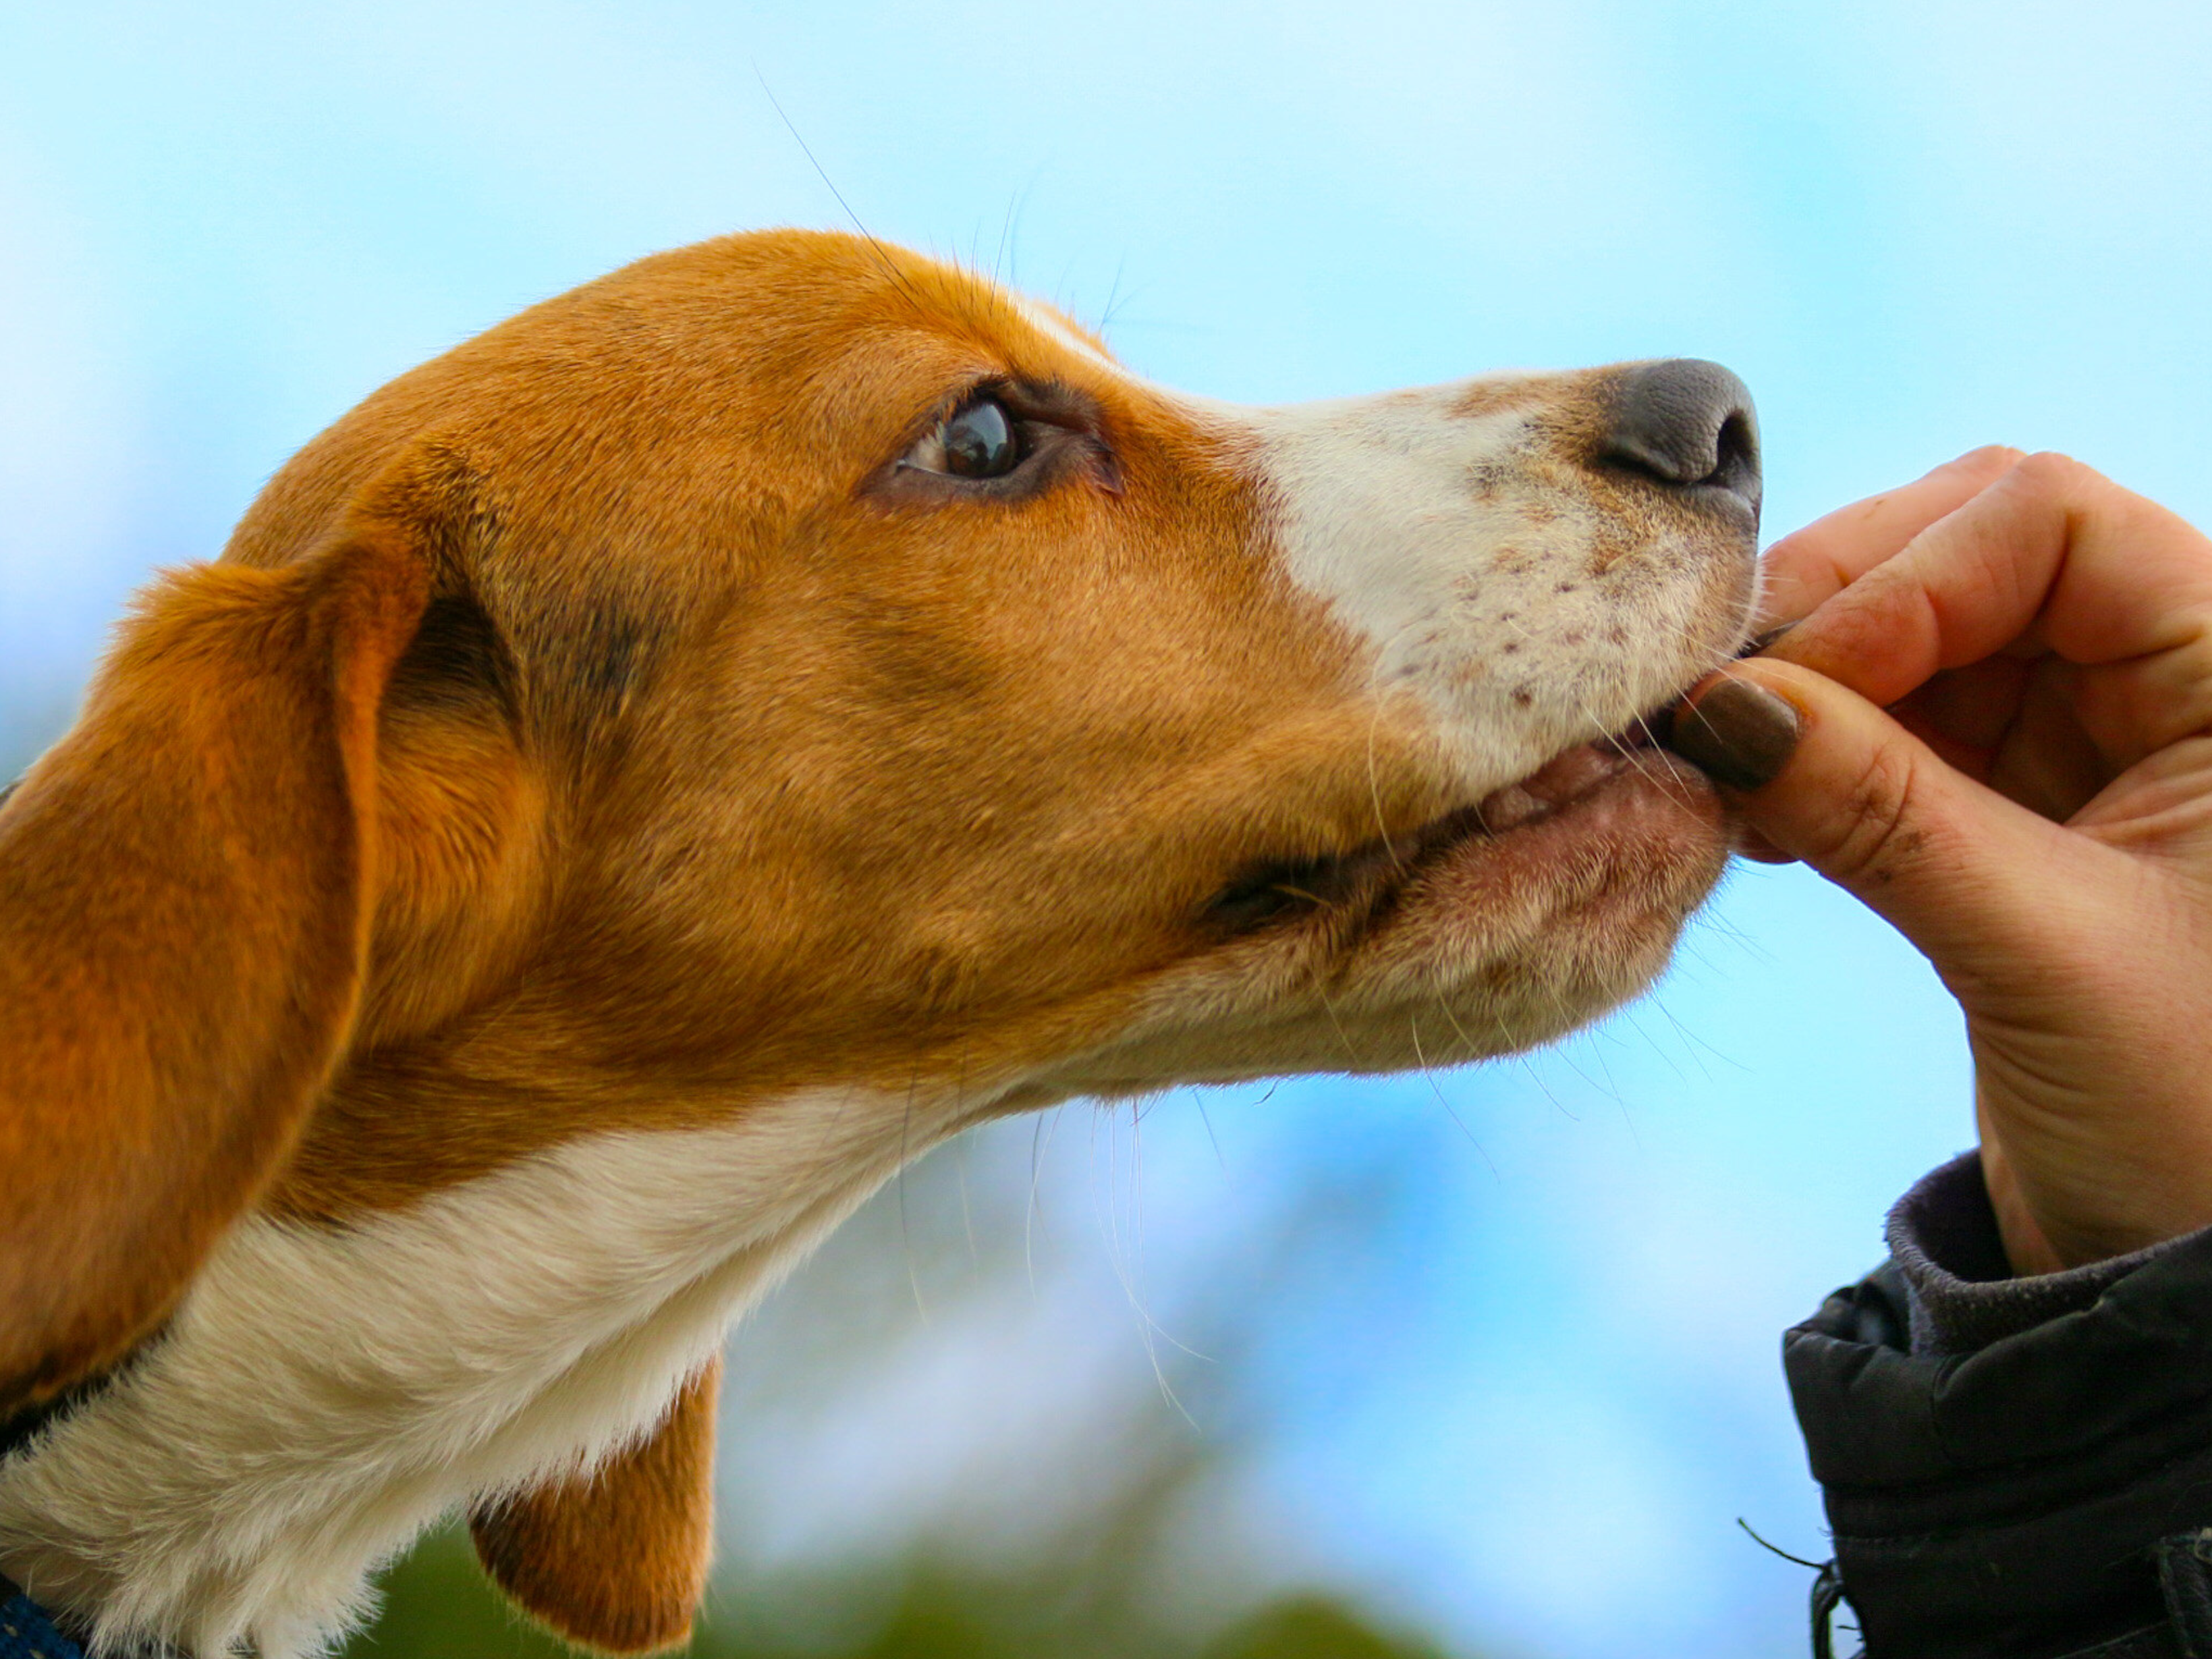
1738,734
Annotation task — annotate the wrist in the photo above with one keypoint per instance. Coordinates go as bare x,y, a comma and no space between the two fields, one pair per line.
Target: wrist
2085,1174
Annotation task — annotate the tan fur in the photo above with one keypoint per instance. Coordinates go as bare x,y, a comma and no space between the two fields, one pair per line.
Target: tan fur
615,1558
738,920
183,923
598,732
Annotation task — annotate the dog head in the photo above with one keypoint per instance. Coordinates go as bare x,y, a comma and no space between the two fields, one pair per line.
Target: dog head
790,662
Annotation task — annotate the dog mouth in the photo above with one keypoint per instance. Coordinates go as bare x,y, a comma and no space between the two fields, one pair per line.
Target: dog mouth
1364,880
1362,884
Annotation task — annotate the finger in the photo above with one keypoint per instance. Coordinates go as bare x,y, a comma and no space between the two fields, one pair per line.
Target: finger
1823,776
1974,707
2054,551
1806,566
2046,760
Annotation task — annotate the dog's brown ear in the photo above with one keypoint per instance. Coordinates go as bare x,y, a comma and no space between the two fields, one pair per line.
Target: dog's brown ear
616,1559
184,906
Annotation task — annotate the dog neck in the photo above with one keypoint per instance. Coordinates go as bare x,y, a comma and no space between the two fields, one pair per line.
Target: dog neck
325,1393
20,1429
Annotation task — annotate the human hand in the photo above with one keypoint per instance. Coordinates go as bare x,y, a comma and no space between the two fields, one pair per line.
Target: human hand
2034,810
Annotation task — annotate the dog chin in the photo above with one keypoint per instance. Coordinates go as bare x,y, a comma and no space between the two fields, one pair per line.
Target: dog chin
1512,939
1473,940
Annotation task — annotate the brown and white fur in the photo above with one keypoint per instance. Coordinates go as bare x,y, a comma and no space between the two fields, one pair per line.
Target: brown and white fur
618,797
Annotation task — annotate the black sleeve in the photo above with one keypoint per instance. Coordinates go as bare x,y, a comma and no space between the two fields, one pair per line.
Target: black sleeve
2015,1469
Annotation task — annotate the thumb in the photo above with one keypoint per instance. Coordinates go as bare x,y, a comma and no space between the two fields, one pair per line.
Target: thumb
1827,777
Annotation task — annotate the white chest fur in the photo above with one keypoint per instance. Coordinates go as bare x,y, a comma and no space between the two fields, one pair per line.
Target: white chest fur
322,1395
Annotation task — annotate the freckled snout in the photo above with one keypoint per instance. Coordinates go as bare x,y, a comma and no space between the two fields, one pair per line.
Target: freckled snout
1688,424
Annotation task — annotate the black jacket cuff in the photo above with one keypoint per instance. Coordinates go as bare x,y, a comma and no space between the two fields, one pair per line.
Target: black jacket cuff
2030,1494
1943,1238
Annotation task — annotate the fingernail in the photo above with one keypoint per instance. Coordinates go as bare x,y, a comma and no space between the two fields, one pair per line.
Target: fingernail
1738,733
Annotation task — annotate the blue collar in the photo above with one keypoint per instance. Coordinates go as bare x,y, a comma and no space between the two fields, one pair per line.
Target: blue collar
25,1631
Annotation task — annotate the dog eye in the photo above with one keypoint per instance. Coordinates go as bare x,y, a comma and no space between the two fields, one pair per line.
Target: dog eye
980,441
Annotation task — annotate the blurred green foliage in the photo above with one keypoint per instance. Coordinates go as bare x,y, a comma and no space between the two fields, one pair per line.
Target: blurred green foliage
439,1606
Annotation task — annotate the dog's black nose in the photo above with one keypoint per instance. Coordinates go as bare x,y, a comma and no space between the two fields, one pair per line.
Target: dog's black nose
1687,423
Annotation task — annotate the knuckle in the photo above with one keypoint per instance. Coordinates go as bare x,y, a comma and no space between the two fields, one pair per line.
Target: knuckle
1989,460
1880,832
2050,472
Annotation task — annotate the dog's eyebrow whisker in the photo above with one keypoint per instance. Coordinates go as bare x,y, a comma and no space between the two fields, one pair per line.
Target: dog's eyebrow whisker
1106,315
1005,229
882,254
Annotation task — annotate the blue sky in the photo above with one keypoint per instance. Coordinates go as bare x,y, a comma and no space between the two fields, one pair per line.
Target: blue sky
1539,1385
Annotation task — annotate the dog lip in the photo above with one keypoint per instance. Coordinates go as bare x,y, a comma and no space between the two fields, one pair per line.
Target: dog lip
1367,877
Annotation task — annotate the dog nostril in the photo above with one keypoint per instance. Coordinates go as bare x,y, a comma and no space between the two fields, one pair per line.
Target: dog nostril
1686,423
1735,459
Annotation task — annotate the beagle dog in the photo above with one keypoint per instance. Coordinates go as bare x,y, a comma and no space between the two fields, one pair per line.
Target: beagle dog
641,778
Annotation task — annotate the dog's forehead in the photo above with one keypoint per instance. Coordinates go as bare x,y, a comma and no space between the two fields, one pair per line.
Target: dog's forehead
774,343
797,312
774,375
